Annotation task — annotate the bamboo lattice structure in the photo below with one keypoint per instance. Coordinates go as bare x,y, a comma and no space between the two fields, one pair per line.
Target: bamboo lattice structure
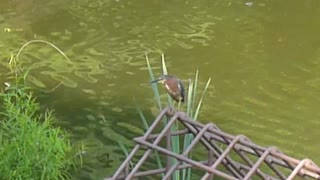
268,164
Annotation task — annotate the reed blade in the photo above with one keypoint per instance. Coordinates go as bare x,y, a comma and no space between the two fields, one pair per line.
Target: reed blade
164,67
201,99
125,151
195,90
153,85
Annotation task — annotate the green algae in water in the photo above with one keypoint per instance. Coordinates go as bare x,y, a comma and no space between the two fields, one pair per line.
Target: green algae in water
255,101
104,103
94,52
61,78
65,38
184,45
91,117
270,94
85,76
55,33
288,88
89,91
117,109
131,127
314,83
61,67
36,81
110,132
130,73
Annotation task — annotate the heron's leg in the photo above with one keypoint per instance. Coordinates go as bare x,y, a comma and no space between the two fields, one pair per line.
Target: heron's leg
173,104
179,103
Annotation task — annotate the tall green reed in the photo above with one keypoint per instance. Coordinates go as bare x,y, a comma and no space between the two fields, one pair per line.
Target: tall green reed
193,107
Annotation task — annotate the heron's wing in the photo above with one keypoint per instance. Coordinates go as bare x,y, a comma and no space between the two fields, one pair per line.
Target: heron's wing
175,90
170,91
181,87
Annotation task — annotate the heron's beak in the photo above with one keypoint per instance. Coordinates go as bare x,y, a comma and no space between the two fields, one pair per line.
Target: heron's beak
160,80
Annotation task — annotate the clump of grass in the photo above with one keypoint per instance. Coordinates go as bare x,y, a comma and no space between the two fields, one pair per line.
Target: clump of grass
30,146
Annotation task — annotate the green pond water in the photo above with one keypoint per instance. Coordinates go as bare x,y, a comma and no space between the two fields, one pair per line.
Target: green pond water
263,56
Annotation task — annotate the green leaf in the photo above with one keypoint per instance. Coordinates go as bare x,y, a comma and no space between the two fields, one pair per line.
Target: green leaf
154,86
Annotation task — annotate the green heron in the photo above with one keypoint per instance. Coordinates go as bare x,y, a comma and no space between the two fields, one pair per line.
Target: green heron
173,86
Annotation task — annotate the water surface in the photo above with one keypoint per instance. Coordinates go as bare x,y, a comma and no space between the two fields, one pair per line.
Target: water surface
263,57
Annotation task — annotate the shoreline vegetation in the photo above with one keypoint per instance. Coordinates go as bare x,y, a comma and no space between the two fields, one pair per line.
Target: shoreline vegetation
31,147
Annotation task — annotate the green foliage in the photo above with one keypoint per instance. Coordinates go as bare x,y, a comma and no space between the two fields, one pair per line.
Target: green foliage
30,147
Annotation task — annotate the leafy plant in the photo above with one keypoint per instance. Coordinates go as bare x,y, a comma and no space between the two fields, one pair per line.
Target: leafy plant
30,146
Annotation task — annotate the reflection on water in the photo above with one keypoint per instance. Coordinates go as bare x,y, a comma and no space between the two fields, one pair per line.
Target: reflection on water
264,57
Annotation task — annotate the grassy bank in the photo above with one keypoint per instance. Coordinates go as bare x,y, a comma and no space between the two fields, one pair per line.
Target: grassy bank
30,146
